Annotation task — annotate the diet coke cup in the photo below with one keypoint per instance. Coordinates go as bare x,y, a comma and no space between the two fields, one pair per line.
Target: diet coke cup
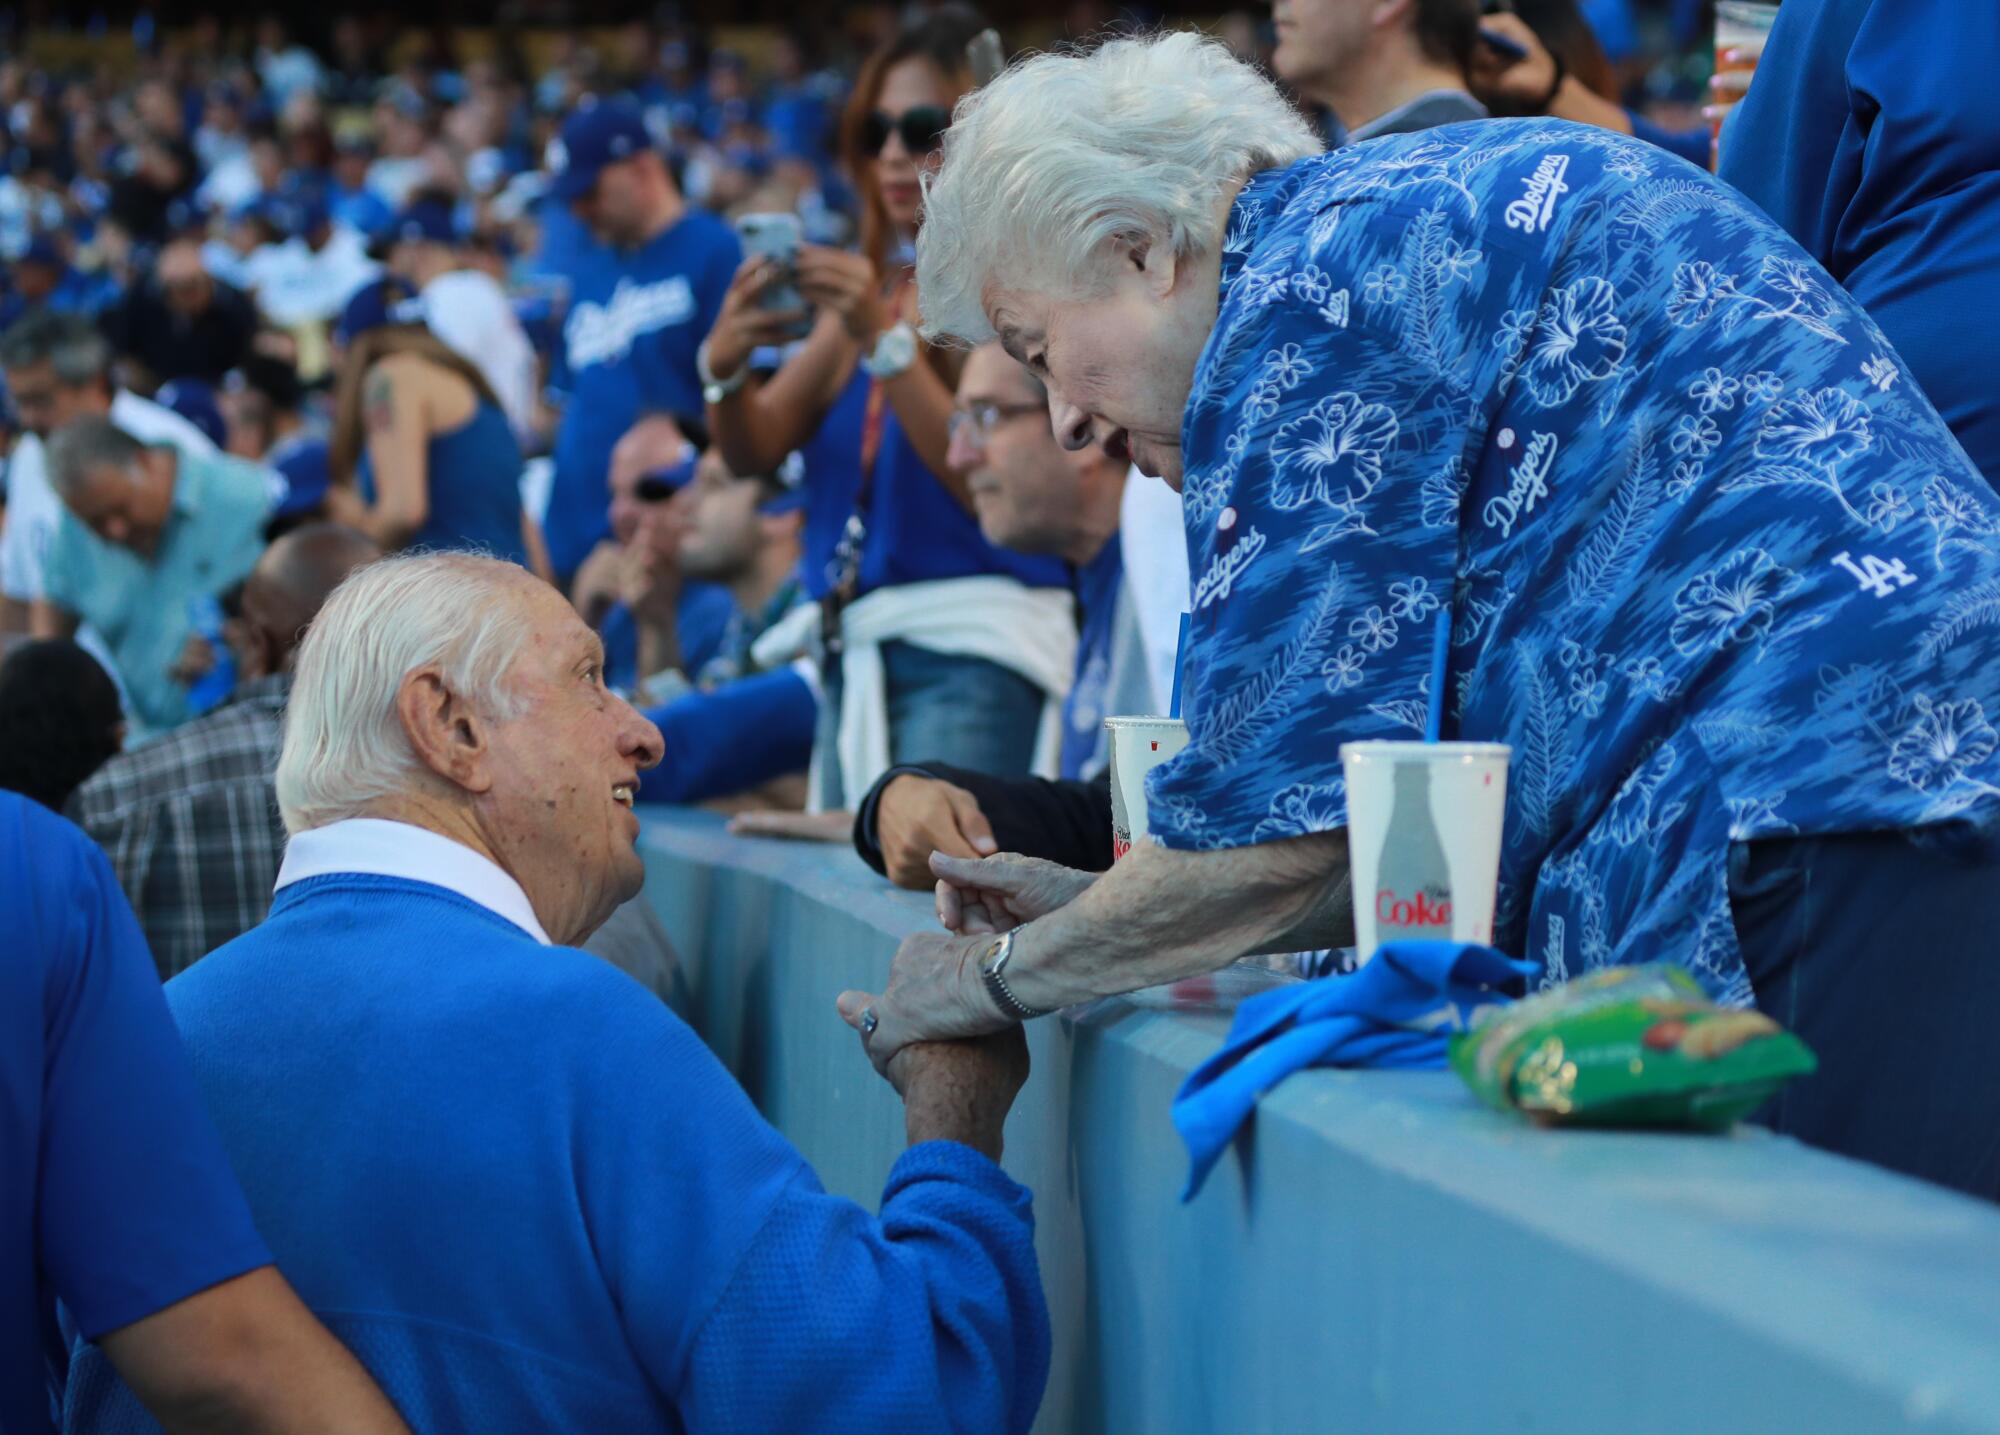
1138,745
1423,839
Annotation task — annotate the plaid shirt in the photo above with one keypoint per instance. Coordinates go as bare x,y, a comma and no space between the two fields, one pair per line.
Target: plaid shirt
191,824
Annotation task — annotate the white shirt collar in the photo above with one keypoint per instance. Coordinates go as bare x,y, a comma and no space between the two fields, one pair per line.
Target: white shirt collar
377,847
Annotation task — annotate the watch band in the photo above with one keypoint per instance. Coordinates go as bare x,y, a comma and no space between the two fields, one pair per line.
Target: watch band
990,973
894,351
714,390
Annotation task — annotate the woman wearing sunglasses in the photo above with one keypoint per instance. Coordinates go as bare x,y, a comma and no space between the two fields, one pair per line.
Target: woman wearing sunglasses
934,644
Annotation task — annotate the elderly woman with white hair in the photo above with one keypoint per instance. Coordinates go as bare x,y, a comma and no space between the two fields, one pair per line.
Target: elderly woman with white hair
1706,559
519,1185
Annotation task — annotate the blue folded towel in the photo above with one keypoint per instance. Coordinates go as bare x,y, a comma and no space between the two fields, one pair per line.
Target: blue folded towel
1394,1012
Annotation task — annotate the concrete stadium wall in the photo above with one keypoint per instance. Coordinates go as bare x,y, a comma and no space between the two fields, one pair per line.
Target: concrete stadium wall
1378,1253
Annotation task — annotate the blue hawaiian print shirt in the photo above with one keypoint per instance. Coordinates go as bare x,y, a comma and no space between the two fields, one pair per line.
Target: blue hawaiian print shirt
1716,569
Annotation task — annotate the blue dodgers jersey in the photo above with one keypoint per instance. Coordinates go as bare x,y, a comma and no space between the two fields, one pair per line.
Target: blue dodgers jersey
1715,567
628,348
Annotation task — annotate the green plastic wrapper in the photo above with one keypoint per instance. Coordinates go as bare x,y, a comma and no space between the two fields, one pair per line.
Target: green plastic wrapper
1628,1046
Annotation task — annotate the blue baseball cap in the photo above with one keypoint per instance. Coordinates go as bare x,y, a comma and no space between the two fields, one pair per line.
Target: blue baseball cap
427,220
597,133
300,208
304,465
40,249
381,301
195,401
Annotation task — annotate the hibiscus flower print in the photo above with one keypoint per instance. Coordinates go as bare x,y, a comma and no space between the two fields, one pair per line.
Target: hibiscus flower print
1455,261
1731,605
1943,744
1698,288
1343,670
1413,600
1441,493
1304,808
1312,284
1820,430
1626,167
1516,326
1715,391
1696,437
1332,453
1687,474
1888,505
1762,387
1374,630
1579,339
1383,285
1287,367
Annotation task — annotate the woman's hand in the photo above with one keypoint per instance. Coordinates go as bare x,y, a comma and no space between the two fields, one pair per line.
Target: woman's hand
997,894
849,286
743,326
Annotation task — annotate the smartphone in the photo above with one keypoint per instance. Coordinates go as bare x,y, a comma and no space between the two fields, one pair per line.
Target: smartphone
777,236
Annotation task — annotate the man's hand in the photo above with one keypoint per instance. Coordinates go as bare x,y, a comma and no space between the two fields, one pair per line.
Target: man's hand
934,993
998,894
916,816
599,581
960,1090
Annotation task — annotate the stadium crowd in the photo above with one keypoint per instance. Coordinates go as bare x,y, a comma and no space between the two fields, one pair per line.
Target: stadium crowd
420,459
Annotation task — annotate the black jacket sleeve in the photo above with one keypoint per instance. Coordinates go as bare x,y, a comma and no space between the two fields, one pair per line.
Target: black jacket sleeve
1066,821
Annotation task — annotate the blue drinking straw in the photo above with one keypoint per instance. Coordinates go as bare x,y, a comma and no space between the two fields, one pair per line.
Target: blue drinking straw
1180,660
1440,652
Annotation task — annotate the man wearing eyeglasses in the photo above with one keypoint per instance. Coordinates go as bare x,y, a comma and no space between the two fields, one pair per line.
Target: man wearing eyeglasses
1031,497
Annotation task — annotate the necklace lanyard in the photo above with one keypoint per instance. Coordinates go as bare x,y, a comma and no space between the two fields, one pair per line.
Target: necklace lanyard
843,569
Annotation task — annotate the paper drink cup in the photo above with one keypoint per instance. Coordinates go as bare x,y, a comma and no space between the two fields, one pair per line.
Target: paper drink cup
1423,839
1138,745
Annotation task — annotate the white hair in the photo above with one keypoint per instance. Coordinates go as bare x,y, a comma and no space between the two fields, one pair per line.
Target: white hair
1136,140
344,745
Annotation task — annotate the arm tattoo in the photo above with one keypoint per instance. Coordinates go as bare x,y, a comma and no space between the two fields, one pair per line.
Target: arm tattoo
378,403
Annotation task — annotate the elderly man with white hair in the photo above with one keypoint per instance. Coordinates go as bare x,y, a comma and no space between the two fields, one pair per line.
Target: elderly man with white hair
523,1191
1693,543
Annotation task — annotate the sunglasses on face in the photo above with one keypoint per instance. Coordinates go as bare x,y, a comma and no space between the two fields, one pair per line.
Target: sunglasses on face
921,128
654,489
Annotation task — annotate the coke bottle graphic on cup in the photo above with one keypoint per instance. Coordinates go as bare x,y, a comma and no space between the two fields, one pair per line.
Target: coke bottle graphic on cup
1413,879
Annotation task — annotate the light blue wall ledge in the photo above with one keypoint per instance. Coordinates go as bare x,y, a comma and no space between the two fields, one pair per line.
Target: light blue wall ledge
1380,1254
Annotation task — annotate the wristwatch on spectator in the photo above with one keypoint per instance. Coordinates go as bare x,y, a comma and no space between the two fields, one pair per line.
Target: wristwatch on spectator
714,390
895,350
992,965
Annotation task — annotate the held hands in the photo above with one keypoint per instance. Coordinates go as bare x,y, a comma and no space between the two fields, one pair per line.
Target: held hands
934,993
742,326
960,1090
848,285
978,896
916,816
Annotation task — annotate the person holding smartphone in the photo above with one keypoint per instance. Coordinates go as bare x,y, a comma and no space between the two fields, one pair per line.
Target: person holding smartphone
934,643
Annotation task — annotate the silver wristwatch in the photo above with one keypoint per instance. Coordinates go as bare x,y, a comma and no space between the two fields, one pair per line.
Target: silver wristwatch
991,968
714,390
895,350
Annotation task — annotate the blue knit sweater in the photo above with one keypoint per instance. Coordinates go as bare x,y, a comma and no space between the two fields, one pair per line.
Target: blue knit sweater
529,1198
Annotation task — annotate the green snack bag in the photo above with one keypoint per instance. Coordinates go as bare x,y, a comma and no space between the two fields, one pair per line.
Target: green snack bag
1628,1046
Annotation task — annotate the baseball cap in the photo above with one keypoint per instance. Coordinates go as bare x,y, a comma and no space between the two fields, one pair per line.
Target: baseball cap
40,249
429,220
378,302
195,401
596,134
299,208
